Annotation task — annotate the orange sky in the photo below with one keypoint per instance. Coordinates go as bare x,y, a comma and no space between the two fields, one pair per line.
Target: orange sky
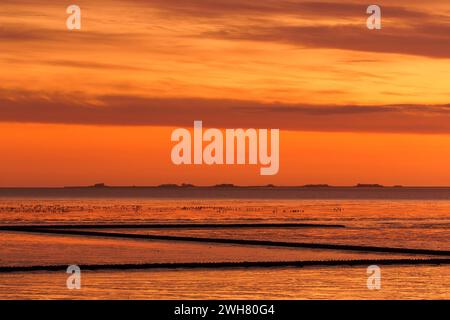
98,105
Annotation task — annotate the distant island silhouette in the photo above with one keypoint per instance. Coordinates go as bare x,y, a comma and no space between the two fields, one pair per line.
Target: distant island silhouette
230,185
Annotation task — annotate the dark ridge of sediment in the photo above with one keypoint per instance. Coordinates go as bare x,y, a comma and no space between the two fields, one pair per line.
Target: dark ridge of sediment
217,265
343,247
176,226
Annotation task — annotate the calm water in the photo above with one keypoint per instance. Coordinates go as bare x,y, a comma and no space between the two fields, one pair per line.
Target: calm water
393,223
405,282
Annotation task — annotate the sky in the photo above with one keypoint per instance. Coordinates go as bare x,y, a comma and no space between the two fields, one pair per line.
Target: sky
98,105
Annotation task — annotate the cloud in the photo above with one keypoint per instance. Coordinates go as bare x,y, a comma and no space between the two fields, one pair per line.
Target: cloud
79,64
418,40
12,32
299,8
324,24
18,106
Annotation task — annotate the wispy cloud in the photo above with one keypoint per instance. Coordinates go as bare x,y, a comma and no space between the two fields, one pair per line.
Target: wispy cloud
17,106
298,8
318,24
431,40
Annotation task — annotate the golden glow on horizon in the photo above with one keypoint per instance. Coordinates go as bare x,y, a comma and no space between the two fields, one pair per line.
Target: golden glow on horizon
59,155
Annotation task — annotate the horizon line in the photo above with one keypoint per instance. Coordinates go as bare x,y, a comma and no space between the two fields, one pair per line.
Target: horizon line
224,185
